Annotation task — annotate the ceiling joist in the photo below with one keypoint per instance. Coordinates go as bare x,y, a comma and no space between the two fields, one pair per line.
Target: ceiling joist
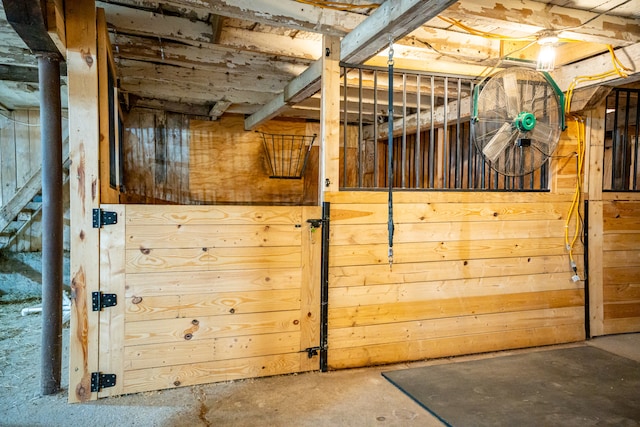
393,19
526,17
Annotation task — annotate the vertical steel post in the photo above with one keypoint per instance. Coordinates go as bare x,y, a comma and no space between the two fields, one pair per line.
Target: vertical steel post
376,172
635,146
360,157
419,171
403,153
446,155
345,124
324,287
614,140
52,221
432,139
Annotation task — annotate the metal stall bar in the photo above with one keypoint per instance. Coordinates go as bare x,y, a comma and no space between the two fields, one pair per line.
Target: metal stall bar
360,130
417,149
614,138
445,126
625,143
403,158
432,142
376,173
635,145
459,162
345,125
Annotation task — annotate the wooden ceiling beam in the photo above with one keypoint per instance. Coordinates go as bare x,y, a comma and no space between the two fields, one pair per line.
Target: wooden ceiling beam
207,57
218,109
393,18
29,19
193,109
162,74
141,22
283,13
629,56
528,17
304,45
18,74
180,91
16,56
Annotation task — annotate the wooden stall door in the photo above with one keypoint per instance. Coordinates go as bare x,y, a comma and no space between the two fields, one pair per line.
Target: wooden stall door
207,294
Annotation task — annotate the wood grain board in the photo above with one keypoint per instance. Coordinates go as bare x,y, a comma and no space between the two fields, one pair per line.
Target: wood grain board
467,267
620,266
229,290
238,172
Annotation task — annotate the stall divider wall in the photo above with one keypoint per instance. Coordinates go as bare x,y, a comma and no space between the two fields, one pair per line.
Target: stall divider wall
208,294
472,272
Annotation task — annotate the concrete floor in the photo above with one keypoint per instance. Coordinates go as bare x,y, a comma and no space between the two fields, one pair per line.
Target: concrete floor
358,397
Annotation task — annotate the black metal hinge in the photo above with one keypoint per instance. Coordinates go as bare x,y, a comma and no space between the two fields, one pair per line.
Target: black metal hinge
100,300
100,381
101,218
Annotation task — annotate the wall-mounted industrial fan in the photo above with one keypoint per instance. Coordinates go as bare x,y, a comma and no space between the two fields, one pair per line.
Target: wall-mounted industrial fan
518,115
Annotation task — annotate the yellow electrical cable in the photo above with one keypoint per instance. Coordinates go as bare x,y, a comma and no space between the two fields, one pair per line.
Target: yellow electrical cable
618,69
575,202
484,34
336,5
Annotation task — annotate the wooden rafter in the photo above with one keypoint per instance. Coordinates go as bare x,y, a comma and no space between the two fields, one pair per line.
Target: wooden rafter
392,18
285,13
29,20
529,17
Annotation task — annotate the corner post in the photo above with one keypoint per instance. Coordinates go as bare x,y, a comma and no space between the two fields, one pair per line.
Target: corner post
330,117
84,188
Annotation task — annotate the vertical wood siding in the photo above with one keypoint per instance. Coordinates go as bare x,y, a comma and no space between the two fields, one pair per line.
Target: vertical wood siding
156,157
621,266
20,159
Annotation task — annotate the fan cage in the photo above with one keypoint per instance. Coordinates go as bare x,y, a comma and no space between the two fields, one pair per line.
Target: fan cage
287,154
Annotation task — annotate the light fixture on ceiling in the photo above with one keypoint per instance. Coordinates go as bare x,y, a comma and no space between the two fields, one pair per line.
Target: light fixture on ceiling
547,54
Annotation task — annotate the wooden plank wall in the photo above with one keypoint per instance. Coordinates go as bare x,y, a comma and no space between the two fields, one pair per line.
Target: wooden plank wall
472,272
173,158
20,159
228,164
621,265
156,157
214,294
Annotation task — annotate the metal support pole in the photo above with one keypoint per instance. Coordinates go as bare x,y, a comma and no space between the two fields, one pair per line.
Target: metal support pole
52,221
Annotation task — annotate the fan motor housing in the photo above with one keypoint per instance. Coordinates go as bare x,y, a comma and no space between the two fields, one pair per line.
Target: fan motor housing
525,121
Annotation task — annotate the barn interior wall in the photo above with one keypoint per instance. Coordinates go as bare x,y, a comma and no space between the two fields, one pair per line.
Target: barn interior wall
20,161
172,158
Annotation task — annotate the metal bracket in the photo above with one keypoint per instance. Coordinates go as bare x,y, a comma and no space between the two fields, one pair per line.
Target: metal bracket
101,218
100,381
315,223
100,300
312,351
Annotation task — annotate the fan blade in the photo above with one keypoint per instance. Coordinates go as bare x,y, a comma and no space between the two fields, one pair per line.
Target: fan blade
542,136
499,142
510,83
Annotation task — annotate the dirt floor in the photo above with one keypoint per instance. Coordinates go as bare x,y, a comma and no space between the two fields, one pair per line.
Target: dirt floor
360,397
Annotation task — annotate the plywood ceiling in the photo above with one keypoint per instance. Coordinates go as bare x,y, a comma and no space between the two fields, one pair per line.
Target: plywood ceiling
235,56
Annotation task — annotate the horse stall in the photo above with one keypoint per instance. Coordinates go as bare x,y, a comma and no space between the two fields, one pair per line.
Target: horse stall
208,250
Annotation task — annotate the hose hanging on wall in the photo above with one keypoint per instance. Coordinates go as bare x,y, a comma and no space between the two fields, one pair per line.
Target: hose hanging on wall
390,153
